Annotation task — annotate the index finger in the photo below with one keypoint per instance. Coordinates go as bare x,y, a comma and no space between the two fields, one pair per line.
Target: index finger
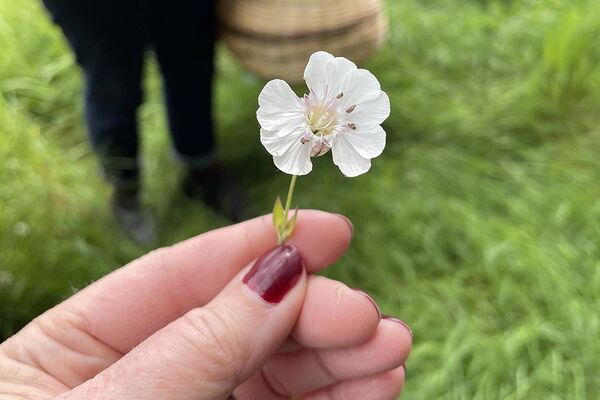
130,304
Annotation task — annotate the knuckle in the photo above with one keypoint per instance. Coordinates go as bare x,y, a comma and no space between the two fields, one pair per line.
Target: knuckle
323,366
212,337
276,386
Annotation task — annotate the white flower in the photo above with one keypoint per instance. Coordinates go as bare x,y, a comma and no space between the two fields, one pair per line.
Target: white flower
342,112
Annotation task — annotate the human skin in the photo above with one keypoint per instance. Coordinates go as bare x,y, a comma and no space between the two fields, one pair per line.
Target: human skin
183,323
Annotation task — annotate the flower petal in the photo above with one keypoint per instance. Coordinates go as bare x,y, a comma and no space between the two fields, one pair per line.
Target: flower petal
324,73
336,70
295,160
372,112
277,144
359,87
315,73
369,141
279,106
350,162
343,65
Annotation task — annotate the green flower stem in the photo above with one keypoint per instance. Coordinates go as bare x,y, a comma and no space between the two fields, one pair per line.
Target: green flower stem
290,195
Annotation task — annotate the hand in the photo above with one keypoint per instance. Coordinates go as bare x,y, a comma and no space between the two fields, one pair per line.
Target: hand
181,323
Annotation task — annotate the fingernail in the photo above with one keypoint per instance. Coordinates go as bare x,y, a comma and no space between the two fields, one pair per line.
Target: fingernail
368,296
390,318
350,225
275,273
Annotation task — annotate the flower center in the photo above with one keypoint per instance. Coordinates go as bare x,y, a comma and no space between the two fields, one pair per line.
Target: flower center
322,119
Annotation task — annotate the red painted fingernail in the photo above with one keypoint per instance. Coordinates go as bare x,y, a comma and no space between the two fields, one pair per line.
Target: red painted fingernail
368,296
404,324
274,274
350,225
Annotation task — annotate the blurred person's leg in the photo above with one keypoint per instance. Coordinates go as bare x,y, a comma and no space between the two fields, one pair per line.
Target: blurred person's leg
109,38
183,40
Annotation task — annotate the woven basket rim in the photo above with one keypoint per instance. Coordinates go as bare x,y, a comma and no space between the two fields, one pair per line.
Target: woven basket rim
278,46
293,17
338,31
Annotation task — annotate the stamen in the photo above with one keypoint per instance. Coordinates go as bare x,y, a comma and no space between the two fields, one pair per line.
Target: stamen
351,125
320,147
327,125
339,96
351,108
306,137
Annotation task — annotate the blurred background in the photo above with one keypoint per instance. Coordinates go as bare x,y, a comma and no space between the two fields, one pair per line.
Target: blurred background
479,225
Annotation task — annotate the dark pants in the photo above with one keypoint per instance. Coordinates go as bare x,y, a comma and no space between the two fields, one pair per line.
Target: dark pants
109,38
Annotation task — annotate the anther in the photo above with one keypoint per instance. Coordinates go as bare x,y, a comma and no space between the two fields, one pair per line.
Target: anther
351,125
339,96
351,108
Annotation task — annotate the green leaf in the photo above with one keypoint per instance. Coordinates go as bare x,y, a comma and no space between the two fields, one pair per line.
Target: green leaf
278,215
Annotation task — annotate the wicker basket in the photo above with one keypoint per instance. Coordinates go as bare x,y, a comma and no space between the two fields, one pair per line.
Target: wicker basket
274,38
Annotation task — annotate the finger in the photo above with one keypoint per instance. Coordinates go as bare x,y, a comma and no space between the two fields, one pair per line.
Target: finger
334,315
206,353
294,374
99,324
129,305
384,386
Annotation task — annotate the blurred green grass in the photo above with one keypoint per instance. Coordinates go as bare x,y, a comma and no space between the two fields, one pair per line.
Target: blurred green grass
479,225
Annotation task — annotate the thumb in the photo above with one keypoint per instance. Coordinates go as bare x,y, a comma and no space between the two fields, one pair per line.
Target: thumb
209,351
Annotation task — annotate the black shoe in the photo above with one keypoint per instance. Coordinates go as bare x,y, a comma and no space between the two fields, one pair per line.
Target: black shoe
218,190
133,219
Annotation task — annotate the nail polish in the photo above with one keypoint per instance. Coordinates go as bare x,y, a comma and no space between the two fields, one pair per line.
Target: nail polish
404,324
274,274
368,296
